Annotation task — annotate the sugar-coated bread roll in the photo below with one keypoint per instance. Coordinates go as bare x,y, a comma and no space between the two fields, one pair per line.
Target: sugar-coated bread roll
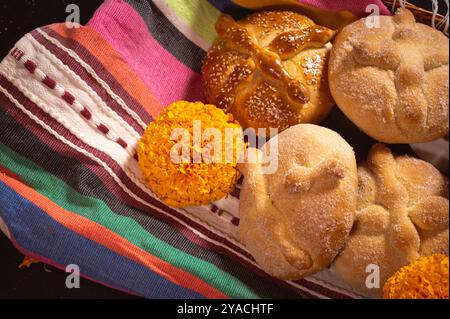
269,69
402,214
296,220
392,80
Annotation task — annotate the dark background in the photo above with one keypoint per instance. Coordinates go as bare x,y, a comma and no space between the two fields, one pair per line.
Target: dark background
17,17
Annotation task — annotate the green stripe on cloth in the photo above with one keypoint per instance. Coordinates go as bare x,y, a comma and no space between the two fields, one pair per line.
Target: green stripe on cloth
200,16
97,211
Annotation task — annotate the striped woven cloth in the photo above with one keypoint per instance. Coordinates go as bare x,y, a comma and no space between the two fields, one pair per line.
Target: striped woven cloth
73,104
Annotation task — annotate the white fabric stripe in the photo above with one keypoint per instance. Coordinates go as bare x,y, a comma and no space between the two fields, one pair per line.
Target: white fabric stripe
58,109
134,178
91,71
119,182
181,25
219,223
59,91
54,99
99,104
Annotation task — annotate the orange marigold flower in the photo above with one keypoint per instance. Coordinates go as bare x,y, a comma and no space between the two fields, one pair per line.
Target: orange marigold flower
424,278
27,262
191,182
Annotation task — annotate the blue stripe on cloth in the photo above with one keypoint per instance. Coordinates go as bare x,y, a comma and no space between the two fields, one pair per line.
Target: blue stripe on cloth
37,232
231,8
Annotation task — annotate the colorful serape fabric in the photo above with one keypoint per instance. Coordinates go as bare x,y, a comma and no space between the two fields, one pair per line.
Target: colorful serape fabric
73,104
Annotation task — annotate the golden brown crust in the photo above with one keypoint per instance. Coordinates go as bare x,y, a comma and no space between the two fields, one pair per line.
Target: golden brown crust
295,221
402,214
392,81
268,69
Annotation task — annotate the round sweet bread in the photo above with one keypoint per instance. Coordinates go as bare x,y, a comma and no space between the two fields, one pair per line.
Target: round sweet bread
392,80
402,214
269,69
296,220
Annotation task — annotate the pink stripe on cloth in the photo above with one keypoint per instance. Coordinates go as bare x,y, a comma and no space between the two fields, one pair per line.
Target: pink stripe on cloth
127,32
357,7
